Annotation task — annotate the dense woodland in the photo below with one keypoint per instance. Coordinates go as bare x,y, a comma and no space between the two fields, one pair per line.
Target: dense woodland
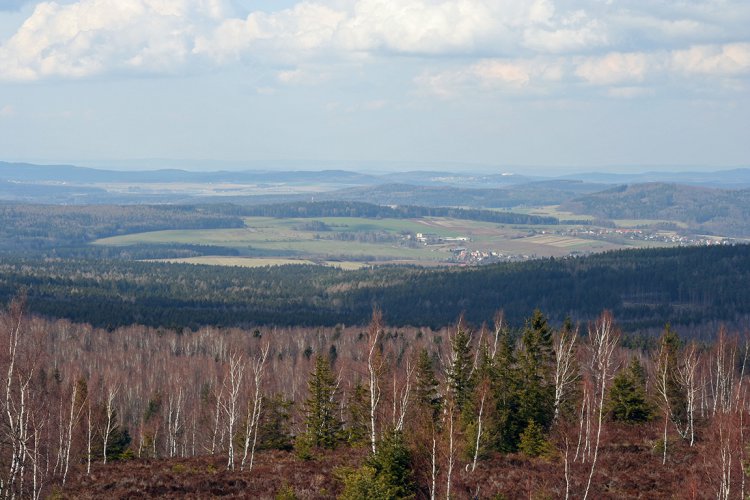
49,229
691,287
369,210
703,210
369,412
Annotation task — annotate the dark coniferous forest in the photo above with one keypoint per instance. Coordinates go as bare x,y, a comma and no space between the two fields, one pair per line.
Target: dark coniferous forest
645,289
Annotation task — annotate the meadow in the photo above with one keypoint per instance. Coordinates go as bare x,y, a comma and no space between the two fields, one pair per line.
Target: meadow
350,239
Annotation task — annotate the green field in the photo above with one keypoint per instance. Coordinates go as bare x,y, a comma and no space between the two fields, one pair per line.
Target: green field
357,240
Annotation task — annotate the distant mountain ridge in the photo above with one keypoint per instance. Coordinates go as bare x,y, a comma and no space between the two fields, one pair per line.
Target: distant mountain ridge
734,178
69,173
27,172
70,184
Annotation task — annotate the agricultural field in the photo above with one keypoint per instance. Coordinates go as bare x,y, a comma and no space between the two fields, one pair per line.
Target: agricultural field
351,242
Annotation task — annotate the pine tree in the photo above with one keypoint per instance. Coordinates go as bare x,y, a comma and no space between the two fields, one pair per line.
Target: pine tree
459,370
275,432
427,388
628,401
392,461
675,391
320,409
505,394
357,430
386,475
532,442
536,371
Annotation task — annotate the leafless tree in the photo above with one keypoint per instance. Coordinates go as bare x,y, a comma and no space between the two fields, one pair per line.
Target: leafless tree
231,402
688,374
603,338
401,396
374,369
253,417
109,413
451,448
566,373
662,388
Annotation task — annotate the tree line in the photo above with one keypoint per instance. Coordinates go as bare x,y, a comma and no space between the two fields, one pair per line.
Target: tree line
693,287
370,210
45,228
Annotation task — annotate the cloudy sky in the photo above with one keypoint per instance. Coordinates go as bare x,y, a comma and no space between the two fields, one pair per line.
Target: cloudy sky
566,84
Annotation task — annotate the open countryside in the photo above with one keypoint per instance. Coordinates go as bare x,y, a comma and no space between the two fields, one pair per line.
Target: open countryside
415,241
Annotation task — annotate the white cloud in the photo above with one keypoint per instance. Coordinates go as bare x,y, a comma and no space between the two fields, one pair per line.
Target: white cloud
614,68
491,45
419,26
622,74
492,75
305,27
708,61
574,32
713,60
90,37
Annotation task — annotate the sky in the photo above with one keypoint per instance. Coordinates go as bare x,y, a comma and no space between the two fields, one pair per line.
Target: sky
521,85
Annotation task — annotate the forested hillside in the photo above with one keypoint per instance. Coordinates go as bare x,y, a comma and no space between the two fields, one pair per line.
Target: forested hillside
529,194
39,228
712,211
370,210
645,288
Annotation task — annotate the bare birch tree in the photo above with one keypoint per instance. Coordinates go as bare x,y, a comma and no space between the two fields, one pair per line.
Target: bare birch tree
565,366
374,368
253,418
109,413
688,374
231,402
662,388
603,338
401,396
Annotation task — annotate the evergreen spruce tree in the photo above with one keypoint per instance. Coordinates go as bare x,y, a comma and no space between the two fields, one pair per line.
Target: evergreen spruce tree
536,371
507,424
357,431
675,391
627,398
532,441
427,387
320,409
275,432
459,370
476,438
386,475
392,461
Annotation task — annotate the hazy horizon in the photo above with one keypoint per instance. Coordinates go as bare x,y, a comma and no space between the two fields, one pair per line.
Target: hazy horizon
369,167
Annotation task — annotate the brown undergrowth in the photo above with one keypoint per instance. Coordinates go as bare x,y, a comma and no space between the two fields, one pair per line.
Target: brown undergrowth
629,466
